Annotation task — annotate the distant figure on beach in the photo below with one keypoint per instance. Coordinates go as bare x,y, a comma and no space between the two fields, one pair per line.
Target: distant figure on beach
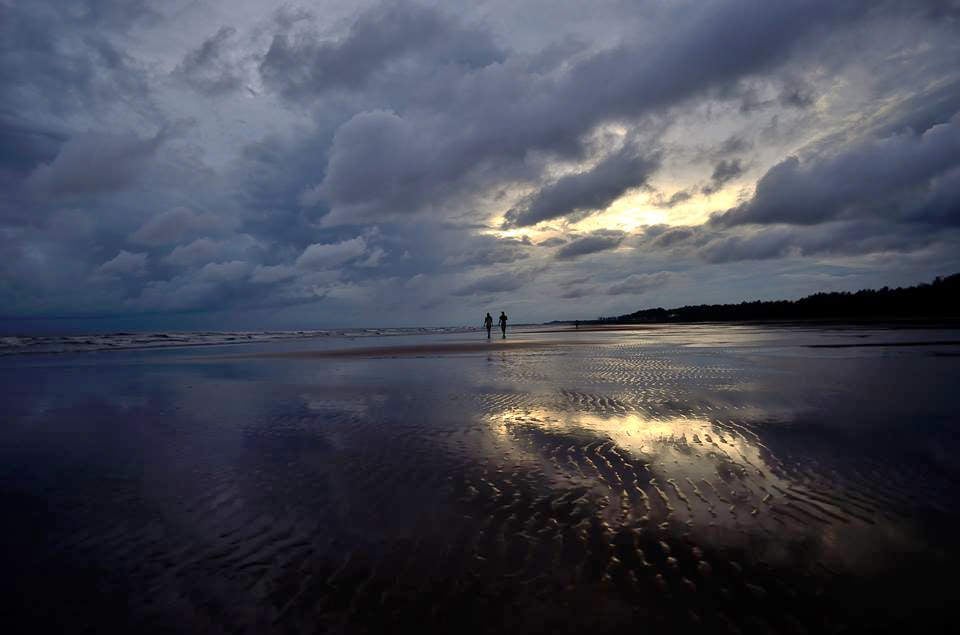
576,324
503,323
488,322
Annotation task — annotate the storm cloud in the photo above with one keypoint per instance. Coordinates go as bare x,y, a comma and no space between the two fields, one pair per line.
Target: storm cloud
209,68
896,177
493,116
600,240
94,162
639,283
381,39
724,172
592,190
290,165
495,283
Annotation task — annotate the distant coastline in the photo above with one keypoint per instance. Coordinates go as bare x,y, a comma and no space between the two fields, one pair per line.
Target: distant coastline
938,300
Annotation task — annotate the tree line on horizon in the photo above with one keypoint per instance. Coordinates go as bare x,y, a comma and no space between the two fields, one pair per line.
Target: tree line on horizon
938,299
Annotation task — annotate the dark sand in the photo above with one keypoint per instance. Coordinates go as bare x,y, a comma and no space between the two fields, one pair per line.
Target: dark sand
664,480
420,349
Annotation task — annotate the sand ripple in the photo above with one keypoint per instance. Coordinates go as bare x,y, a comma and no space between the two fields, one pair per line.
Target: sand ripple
597,487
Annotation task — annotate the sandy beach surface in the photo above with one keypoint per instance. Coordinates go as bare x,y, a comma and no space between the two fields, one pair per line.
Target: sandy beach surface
663,479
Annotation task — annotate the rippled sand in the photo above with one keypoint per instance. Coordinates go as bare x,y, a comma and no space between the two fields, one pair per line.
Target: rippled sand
669,479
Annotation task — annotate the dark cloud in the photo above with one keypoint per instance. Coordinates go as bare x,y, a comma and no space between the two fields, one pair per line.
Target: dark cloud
875,177
941,9
576,292
939,204
796,95
587,191
833,239
56,60
120,14
778,242
600,240
678,197
125,263
23,147
206,250
921,109
786,92
330,255
270,176
554,241
363,171
673,235
374,151
639,283
209,68
578,280
488,250
734,144
269,274
385,36
495,283
847,238
724,172
177,224
229,271
196,291
95,162
751,101
701,54
487,119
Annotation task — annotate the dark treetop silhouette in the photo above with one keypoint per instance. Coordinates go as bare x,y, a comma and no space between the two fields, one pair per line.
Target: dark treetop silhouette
940,299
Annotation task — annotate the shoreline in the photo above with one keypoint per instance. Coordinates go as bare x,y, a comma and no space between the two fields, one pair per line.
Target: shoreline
411,350
480,344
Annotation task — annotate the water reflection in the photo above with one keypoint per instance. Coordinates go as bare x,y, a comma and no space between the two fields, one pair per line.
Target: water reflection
587,488
681,441
713,482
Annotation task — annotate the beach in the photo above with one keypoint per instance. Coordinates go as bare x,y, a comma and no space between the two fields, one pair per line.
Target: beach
664,478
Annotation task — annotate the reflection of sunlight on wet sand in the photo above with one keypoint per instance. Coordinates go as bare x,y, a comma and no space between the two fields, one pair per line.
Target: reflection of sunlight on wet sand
690,446
717,479
689,478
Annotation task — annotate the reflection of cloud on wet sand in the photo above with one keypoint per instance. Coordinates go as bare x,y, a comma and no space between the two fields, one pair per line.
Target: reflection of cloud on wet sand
646,483
714,480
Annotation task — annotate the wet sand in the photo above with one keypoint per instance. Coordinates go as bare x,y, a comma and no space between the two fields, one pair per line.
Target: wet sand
420,349
674,479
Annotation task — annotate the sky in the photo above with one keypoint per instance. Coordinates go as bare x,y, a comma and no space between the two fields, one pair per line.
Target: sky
242,164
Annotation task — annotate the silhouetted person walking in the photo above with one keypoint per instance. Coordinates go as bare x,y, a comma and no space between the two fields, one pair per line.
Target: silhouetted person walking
488,322
503,323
